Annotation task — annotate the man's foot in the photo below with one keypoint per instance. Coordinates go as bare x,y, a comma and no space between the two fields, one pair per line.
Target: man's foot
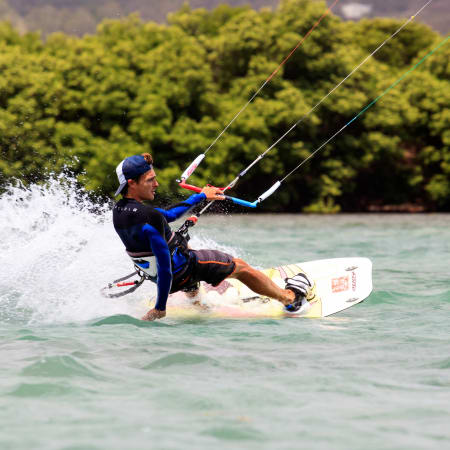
300,285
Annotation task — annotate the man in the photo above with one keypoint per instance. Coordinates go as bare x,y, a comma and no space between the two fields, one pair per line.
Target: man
166,259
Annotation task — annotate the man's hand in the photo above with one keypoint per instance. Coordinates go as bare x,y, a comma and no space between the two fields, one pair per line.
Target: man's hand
213,193
154,314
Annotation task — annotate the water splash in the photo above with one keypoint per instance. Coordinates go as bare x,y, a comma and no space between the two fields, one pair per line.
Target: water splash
58,249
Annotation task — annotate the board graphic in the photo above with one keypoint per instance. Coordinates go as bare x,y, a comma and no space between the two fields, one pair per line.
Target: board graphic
338,284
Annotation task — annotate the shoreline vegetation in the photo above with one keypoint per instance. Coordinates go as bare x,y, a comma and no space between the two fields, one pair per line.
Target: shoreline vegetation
82,104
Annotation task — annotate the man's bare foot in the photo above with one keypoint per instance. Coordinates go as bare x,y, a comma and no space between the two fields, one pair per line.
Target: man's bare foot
154,314
290,297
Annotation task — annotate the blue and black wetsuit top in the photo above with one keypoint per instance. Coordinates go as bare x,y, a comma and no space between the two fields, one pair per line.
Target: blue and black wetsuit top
145,229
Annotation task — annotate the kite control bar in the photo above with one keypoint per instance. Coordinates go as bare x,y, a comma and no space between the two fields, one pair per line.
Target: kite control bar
238,201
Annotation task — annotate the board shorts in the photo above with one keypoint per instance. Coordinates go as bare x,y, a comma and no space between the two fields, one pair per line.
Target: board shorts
211,266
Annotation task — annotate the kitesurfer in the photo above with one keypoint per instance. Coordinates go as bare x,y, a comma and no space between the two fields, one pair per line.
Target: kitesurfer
165,256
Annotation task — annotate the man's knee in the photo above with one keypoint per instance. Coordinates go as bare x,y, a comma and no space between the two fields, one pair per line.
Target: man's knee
240,263
241,267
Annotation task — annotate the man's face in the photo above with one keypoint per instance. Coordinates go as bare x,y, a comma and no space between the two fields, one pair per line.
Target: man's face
145,189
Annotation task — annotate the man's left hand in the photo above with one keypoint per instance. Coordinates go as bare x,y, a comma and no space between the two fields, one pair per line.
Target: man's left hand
154,314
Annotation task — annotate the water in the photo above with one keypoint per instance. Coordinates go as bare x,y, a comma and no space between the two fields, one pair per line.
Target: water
80,372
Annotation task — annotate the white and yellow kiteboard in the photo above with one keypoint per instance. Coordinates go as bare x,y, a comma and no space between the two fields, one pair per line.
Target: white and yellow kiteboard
338,284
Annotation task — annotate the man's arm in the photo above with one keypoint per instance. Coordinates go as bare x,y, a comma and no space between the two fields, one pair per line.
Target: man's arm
176,211
163,264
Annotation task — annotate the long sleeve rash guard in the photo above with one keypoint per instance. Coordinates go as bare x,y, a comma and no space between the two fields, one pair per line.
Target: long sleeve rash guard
145,229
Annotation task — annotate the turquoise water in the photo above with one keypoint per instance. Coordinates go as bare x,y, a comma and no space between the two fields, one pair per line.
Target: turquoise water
80,372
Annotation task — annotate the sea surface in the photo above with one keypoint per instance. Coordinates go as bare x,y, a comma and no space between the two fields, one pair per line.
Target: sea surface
79,371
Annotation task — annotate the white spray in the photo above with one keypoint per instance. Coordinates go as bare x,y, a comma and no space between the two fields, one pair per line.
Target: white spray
57,251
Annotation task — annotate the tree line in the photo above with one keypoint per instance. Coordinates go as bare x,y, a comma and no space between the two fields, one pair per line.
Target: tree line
83,104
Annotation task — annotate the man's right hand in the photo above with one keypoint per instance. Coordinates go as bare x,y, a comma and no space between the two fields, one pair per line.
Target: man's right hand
213,193
154,314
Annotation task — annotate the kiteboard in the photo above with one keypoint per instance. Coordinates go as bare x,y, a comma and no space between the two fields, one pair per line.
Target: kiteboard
339,284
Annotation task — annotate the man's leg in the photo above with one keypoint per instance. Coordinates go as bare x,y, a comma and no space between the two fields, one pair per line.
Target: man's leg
260,283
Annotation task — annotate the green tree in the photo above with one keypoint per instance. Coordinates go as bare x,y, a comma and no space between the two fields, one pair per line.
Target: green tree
86,103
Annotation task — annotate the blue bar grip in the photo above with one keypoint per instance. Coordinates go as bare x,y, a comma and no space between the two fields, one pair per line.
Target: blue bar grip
238,201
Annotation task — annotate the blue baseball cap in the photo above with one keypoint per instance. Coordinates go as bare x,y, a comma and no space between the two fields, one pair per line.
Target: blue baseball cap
129,168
